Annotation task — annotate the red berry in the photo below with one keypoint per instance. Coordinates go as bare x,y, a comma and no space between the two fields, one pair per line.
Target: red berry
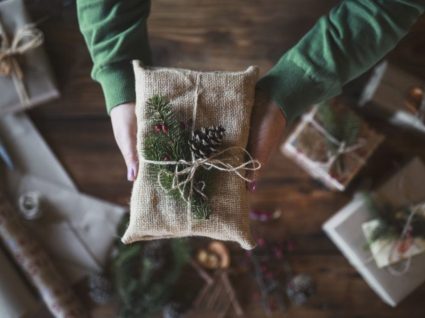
261,242
290,246
158,128
164,129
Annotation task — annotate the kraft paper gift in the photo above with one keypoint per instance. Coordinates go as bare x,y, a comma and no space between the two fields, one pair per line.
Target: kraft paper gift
29,152
25,76
82,226
82,218
345,230
200,99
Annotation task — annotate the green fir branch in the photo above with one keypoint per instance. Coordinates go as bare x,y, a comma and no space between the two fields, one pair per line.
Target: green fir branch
391,221
343,126
168,140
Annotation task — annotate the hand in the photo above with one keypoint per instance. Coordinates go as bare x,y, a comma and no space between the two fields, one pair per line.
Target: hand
124,125
267,126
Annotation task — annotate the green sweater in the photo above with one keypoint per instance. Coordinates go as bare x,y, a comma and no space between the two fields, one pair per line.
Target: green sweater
346,42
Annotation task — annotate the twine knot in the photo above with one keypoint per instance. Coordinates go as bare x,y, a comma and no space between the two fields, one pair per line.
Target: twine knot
342,148
183,178
25,39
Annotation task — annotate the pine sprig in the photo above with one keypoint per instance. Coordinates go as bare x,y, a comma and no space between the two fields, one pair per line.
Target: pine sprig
144,289
172,140
343,126
168,141
391,221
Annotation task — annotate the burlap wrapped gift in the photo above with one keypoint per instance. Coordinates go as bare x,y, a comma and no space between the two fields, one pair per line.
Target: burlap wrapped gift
222,98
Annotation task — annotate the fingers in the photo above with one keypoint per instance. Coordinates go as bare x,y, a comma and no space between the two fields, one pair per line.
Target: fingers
267,128
124,126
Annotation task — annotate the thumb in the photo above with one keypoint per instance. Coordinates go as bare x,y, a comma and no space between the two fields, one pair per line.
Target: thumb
124,126
267,128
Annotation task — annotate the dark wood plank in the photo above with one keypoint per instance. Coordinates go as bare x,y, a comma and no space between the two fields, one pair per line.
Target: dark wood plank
227,35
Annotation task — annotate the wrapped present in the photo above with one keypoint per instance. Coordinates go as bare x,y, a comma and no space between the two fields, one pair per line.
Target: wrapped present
192,132
395,95
345,229
83,227
332,144
25,75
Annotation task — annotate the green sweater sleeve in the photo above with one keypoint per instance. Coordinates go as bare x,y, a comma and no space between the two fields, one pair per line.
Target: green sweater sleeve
115,32
343,44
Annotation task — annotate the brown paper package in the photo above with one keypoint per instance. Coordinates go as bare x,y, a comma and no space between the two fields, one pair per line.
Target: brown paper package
37,75
224,98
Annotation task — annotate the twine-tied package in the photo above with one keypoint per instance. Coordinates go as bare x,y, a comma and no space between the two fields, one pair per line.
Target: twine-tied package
192,133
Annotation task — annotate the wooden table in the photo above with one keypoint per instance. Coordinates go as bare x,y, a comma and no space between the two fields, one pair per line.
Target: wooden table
229,35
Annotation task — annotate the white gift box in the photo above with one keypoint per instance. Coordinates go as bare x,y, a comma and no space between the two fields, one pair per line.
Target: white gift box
76,229
345,230
321,170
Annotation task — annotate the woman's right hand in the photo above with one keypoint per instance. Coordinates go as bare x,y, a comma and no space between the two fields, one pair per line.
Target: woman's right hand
124,125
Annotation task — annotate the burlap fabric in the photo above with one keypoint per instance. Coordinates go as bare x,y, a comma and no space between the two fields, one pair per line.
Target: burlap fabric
223,98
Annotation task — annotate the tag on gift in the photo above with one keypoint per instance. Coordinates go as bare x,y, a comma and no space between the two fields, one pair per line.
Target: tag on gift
387,251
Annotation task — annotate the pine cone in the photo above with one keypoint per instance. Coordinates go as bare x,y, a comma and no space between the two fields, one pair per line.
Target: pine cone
205,141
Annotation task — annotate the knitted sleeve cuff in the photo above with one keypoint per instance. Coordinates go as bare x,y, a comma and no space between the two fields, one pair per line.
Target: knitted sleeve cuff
292,88
117,81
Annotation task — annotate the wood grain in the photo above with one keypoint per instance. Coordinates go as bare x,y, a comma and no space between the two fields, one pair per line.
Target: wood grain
227,35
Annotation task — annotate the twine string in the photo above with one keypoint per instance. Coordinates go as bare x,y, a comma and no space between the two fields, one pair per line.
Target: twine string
25,39
212,162
404,242
183,179
342,147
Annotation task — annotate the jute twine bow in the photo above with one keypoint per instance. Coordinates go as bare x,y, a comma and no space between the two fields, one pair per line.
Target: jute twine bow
405,240
342,147
404,243
25,39
185,178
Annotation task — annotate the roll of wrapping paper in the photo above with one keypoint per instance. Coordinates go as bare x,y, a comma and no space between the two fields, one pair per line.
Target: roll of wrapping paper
16,299
36,264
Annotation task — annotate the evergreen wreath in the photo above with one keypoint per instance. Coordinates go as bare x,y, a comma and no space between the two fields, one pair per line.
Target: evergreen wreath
172,140
145,273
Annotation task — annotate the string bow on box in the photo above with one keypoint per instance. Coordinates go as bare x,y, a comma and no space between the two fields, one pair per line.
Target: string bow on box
25,39
341,133
398,228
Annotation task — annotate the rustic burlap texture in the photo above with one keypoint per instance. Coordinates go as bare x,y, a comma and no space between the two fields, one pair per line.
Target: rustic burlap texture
224,98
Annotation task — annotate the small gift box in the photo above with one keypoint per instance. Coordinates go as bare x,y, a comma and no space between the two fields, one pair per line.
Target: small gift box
25,75
395,95
345,229
192,132
332,144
